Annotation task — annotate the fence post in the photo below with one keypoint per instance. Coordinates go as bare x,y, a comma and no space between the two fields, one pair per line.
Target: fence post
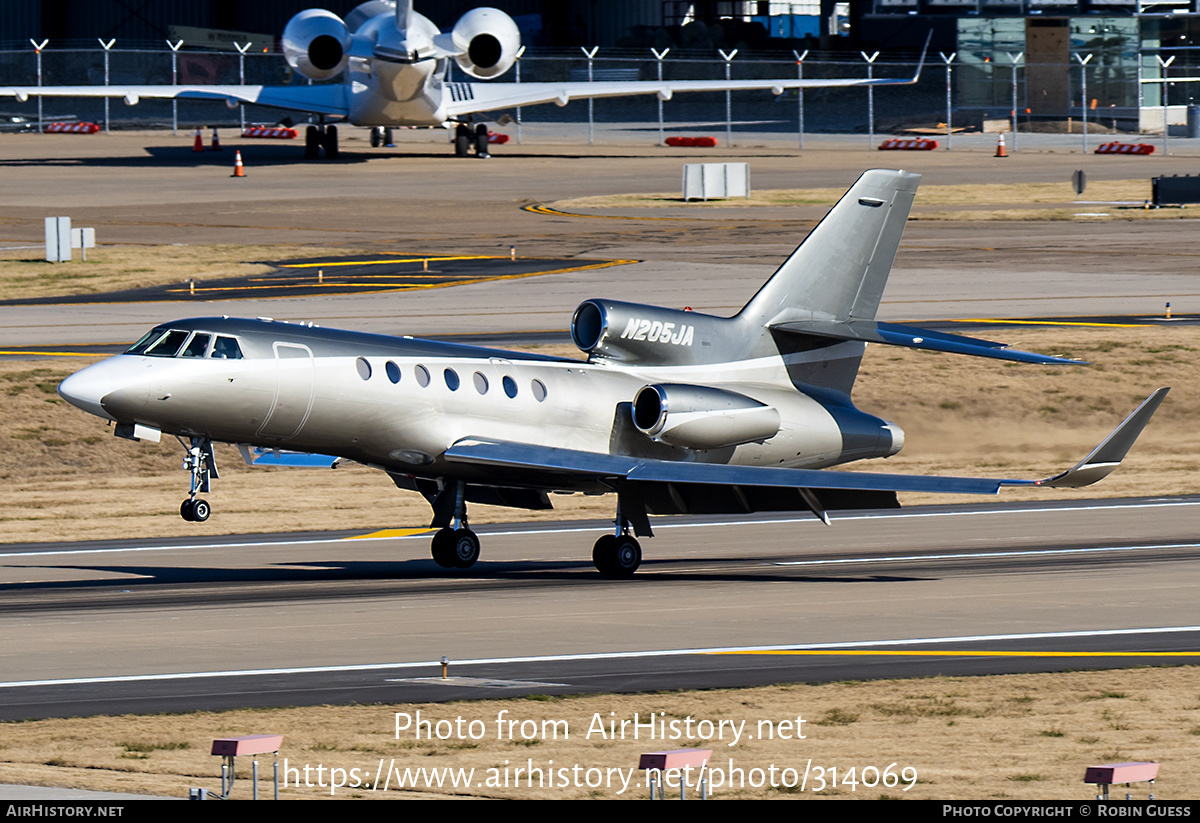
242,49
949,106
870,99
728,101
520,52
1165,64
107,46
1083,61
1014,59
800,92
591,123
174,82
37,48
658,56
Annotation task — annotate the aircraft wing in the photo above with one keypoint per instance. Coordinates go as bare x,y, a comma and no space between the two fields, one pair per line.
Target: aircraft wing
823,486
478,97
329,98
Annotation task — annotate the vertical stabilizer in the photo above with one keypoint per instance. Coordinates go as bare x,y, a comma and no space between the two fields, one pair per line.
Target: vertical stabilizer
840,269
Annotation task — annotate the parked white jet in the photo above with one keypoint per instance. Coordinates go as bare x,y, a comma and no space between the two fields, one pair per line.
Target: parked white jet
394,65
674,411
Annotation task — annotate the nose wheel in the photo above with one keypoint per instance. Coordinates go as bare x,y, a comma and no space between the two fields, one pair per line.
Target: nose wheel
195,511
200,461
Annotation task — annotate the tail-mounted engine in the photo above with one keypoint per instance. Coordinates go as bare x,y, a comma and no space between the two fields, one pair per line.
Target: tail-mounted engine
636,334
487,41
701,417
316,43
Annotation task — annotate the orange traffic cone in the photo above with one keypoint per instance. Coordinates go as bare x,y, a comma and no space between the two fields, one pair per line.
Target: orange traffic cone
1000,150
238,170
198,143
216,141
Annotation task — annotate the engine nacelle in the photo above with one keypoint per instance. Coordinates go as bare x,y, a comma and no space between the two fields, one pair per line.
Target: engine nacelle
316,43
702,417
488,40
636,334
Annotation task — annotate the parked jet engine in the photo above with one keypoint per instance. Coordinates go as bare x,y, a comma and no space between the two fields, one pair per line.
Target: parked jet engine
316,43
488,40
702,417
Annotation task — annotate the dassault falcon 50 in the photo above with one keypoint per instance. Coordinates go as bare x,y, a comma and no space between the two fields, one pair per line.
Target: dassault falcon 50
674,411
393,66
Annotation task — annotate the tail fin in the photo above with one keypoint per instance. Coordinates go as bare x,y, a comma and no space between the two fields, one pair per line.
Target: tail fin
839,271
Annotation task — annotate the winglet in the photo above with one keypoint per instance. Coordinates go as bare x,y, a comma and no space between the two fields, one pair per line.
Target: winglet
1109,454
921,62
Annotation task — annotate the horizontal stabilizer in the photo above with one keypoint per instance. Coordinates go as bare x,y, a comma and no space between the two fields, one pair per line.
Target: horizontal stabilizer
1109,454
914,337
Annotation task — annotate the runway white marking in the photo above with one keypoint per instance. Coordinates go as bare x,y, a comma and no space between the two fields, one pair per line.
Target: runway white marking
664,526
559,658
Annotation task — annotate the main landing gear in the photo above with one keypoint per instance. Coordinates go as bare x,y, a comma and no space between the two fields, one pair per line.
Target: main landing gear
200,461
466,139
320,137
381,136
454,545
619,554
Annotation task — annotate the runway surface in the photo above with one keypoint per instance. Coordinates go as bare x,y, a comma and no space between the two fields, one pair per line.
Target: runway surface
135,626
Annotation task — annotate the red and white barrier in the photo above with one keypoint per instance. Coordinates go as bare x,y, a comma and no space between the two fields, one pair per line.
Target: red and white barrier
910,144
72,128
499,138
276,132
692,142
1125,148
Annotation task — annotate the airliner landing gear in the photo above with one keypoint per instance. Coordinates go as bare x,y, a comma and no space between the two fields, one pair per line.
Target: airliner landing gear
454,546
619,554
318,137
466,139
381,136
200,461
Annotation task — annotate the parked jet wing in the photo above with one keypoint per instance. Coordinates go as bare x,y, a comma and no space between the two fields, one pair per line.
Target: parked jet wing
320,99
914,337
491,96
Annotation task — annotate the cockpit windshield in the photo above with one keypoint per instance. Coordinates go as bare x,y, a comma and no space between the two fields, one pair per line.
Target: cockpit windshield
165,342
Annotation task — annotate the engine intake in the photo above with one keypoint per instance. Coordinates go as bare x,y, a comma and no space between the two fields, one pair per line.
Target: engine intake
316,43
702,417
488,41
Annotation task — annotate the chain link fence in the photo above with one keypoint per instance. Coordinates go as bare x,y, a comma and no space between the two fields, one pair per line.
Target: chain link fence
981,90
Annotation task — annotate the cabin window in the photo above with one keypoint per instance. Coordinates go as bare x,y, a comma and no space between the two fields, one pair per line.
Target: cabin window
197,346
226,348
422,376
481,383
364,368
452,381
510,386
393,371
539,390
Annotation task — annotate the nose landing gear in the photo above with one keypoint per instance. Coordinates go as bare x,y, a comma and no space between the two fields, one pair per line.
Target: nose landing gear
200,461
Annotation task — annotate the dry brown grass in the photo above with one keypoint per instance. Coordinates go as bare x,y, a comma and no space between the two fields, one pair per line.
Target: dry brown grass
1014,201
115,268
1019,737
65,477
